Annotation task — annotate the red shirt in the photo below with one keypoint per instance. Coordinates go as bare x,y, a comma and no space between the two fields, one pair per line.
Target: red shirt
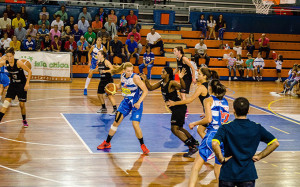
265,42
68,47
137,36
131,20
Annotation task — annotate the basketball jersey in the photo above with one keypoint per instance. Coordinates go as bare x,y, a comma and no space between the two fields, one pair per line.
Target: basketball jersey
220,113
129,88
173,96
16,74
95,51
201,98
181,65
4,70
101,67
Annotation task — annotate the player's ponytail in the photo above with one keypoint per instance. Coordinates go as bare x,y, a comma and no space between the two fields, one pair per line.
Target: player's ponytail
169,71
210,74
180,48
218,89
118,69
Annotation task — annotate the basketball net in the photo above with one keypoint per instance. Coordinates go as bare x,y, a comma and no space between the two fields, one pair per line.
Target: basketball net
263,6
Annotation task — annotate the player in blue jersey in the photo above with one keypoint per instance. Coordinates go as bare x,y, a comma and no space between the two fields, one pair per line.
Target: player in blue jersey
134,92
4,79
216,113
93,61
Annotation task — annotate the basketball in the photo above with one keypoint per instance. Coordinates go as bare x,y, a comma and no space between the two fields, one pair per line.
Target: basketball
111,89
27,63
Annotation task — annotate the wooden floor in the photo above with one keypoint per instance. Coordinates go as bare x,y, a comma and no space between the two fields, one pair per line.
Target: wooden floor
49,153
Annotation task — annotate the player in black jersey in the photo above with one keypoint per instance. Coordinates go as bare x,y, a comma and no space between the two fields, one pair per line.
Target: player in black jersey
104,67
169,89
18,85
204,75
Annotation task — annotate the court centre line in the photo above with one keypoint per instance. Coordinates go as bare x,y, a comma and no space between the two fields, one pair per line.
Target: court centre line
280,130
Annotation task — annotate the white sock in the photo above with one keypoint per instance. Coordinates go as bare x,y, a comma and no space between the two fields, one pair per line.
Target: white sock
87,82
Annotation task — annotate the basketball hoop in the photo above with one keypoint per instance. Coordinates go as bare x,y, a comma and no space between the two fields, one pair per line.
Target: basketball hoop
263,6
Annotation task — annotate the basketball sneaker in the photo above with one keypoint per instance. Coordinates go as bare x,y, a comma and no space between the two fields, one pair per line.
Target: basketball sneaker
144,149
104,145
114,112
25,124
85,91
192,151
102,110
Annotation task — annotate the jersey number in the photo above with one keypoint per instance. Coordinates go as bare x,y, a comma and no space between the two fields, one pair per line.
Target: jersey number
15,76
224,116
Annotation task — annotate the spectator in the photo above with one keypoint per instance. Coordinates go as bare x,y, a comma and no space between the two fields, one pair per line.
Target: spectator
105,43
4,21
291,75
31,31
264,45
82,49
97,24
202,26
5,41
112,17
54,32
249,43
211,24
258,64
249,65
240,65
83,24
43,31
28,44
71,22
137,38
116,49
110,28
131,47
15,43
44,21
65,36
20,32
85,14
62,13
38,42
148,62
71,46
103,33
58,22
132,21
154,40
294,81
231,65
278,62
10,12
90,36
56,44
123,25
10,31
221,26
103,16
201,52
17,20
24,14
237,45
44,12
240,139
47,43
77,33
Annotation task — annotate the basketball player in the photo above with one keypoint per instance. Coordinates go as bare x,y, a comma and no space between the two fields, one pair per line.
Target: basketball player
204,75
4,79
183,62
169,89
216,113
18,86
134,92
92,55
104,67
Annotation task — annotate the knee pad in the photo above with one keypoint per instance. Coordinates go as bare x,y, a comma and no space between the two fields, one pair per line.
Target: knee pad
6,104
118,116
112,127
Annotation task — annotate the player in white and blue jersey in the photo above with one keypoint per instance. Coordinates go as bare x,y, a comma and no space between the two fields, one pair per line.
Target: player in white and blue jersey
93,52
216,113
4,80
258,65
134,92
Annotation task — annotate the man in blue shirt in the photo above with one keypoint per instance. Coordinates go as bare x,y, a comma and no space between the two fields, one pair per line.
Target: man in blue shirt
82,49
148,61
29,44
131,47
241,138
77,33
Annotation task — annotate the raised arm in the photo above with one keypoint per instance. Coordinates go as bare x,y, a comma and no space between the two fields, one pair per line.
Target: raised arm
150,87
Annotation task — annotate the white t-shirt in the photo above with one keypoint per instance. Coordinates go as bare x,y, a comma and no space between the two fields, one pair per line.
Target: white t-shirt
3,23
200,48
239,62
60,24
278,64
259,62
5,43
153,38
211,23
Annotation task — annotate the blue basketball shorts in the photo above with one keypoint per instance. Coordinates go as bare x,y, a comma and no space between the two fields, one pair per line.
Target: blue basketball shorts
93,64
4,79
126,106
